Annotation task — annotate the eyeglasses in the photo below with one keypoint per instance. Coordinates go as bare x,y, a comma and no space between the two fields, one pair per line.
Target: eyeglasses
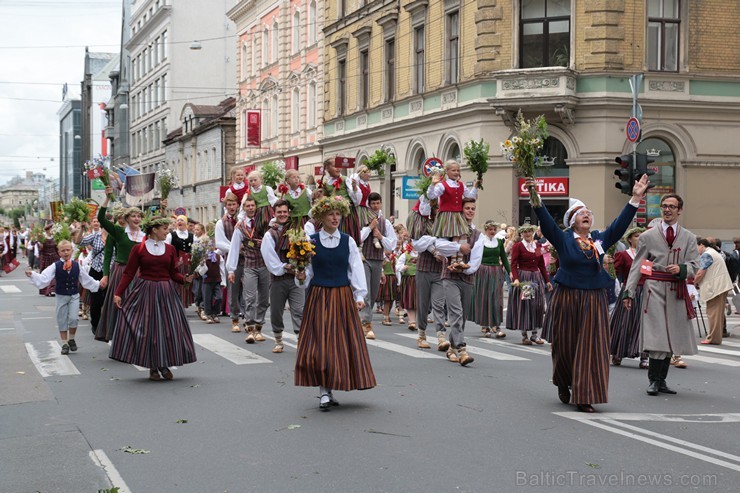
584,212
669,207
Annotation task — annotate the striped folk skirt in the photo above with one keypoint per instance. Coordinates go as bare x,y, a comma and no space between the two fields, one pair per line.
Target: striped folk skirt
364,215
85,296
185,291
450,225
262,218
109,314
332,350
350,225
408,292
45,260
298,222
388,290
624,327
526,314
417,225
153,331
487,307
578,321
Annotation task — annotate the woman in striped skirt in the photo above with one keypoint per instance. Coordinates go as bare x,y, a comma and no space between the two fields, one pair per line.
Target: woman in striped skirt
387,292
577,316
332,353
48,255
526,307
123,240
624,325
487,309
154,331
406,274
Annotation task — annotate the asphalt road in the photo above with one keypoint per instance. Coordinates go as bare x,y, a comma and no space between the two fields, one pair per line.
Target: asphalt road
234,422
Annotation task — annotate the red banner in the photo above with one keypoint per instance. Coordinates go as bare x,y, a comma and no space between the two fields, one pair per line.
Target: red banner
291,163
253,129
547,187
222,193
318,170
344,162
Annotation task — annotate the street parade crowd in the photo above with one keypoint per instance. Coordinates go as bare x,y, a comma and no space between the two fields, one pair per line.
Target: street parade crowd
331,257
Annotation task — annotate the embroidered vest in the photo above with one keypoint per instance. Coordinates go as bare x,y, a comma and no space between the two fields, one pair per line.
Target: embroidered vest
260,197
330,264
300,206
451,200
182,245
250,253
368,247
281,248
365,189
228,226
447,274
67,282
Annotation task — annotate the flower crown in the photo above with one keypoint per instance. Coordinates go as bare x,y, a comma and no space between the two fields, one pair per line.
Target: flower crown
328,204
149,223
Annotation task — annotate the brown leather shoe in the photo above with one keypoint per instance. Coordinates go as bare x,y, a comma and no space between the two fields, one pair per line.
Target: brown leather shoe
463,356
235,325
442,343
154,375
368,329
585,408
678,362
258,333
526,341
452,355
250,334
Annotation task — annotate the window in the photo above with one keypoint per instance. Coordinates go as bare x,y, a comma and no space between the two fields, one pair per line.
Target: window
452,51
165,48
274,116
156,51
296,32
254,53
157,136
544,33
341,86
340,9
206,165
663,32
265,47
266,118
163,90
311,105
134,116
245,59
312,22
275,41
419,61
390,69
295,121
364,91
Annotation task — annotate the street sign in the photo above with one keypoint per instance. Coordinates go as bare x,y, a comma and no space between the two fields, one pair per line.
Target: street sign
430,163
408,187
633,130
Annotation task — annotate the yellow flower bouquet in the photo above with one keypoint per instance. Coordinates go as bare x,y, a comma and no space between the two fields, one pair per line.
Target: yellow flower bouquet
300,249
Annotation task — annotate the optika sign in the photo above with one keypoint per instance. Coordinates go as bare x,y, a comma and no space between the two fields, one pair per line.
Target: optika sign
546,187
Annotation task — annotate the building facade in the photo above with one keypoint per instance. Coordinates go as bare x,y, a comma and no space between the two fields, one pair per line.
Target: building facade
117,107
70,149
200,152
420,78
280,76
170,67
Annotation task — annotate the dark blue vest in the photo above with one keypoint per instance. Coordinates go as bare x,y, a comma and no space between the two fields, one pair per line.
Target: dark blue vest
330,264
67,281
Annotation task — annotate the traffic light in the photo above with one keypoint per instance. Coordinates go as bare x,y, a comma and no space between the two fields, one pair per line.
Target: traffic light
642,168
625,174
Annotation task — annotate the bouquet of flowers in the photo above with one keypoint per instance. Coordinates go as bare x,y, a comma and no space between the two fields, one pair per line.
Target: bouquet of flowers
77,210
61,231
166,181
377,161
300,249
476,153
273,173
524,148
99,168
198,254
527,290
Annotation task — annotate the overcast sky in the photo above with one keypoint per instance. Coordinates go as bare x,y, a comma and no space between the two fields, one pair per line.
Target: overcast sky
42,46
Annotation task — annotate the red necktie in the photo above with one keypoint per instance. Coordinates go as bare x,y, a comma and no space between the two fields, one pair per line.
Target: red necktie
670,236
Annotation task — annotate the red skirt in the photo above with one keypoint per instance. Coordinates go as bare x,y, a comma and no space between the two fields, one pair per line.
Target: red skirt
408,292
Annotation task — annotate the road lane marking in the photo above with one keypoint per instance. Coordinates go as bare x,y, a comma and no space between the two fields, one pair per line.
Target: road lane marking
477,351
101,460
7,328
513,346
708,359
389,346
285,342
672,418
36,318
10,289
730,343
630,431
717,350
227,350
49,361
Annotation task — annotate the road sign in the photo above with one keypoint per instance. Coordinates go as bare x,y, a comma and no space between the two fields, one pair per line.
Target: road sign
633,130
408,187
430,163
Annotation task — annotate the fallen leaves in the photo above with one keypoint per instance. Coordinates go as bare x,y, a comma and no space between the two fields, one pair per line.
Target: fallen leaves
130,450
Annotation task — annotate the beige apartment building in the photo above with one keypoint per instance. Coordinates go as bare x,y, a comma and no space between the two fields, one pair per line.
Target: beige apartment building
420,78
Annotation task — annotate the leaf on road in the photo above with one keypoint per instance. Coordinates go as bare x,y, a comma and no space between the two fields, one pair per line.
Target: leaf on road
195,386
592,465
104,369
385,433
181,421
293,427
21,372
129,450
113,379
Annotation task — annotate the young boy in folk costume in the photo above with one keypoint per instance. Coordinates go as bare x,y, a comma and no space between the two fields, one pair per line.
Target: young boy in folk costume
68,276
298,197
224,231
335,184
238,186
450,221
264,197
211,284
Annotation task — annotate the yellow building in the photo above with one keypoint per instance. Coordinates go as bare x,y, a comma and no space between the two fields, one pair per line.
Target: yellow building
420,78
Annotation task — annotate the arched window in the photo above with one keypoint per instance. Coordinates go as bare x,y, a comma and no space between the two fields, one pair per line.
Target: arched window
274,116
664,179
266,118
311,105
275,41
245,59
254,53
453,152
312,22
295,122
296,32
265,46
417,158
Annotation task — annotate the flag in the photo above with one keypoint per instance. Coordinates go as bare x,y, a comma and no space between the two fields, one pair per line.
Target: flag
139,189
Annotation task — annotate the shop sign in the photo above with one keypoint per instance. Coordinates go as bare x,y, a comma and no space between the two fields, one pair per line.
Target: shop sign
546,187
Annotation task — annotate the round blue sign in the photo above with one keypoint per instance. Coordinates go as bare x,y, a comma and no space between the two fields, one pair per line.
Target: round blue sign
633,130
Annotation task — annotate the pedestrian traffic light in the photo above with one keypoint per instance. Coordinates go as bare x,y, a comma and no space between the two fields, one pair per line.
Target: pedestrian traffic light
625,174
642,168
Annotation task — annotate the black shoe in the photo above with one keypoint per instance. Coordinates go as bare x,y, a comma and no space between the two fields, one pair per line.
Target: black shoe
332,400
564,394
653,387
325,402
72,345
65,349
664,389
585,408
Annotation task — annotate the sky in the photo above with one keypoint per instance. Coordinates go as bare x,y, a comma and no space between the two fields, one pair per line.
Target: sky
42,46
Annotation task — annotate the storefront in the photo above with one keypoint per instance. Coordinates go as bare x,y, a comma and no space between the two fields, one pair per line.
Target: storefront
553,184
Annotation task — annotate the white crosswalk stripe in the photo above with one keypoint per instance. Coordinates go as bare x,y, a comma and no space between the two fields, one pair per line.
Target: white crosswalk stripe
509,345
227,350
11,289
477,351
48,359
716,361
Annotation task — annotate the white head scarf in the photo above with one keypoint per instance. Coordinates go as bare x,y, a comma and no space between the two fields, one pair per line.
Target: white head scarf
574,205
